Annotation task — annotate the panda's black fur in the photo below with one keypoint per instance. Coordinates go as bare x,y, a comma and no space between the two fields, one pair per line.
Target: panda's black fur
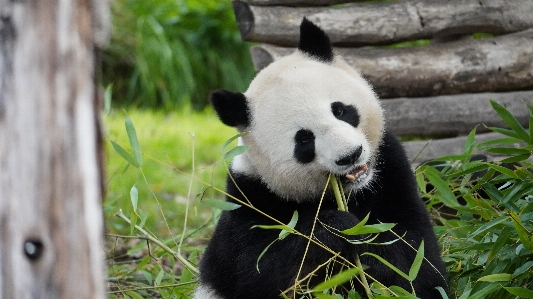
228,266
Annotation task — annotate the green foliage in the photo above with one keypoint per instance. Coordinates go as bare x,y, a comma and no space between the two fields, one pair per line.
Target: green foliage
171,53
488,245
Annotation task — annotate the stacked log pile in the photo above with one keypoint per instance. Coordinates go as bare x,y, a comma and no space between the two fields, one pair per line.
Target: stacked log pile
441,89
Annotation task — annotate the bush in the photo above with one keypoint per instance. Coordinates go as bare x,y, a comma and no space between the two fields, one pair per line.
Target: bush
171,53
488,245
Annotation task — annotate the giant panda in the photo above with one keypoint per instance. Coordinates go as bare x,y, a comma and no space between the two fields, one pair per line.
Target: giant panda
305,116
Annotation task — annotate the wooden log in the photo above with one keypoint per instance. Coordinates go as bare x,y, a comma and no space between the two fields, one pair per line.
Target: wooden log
502,63
300,2
384,23
424,150
453,115
51,226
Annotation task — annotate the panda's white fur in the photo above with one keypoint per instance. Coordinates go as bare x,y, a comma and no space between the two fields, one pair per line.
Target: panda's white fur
277,116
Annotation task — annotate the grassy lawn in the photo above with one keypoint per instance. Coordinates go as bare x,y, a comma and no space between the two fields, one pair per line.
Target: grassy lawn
170,142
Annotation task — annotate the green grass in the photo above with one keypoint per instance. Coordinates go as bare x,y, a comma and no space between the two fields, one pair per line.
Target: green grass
167,143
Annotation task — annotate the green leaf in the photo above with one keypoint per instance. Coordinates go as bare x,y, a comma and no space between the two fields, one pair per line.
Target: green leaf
447,196
523,234
508,151
107,98
511,121
502,240
503,170
470,142
291,224
386,263
234,152
369,229
352,294
498,141
487,226
419,258
521,292
485,291
496,277
221,204
518,158
326,296
133,221
134,196
337,280
505,132
134,295
124,154
229,141
134,141
357,227
263,253
442,292
159,277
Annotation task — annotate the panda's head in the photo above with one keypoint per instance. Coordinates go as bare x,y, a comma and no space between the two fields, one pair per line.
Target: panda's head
306,115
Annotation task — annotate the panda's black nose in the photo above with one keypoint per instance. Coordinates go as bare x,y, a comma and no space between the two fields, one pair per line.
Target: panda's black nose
351,158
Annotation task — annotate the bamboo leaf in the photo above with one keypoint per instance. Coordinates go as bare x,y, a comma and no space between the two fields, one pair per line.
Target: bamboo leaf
506,132
124,154
485,291
357,227
107,98
159,277
134,141
263,253
133,221
521,292
470,142
442,292
419,258
511,121
447,196
221,204
134,295
496,277
336,280
234,152
229,141
386,263
291,224
134,197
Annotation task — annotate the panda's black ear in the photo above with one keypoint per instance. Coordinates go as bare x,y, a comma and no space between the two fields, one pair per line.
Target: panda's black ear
231,107
315,42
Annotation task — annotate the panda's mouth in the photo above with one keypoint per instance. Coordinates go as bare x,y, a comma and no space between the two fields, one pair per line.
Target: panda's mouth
358,174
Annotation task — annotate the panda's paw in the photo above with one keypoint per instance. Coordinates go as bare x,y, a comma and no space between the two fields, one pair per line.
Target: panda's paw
332,223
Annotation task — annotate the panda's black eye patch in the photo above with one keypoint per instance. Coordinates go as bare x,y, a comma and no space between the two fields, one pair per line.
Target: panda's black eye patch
304,149
346,113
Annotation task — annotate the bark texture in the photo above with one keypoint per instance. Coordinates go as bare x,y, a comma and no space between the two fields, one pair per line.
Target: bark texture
502,63
383,23
50,190
453,115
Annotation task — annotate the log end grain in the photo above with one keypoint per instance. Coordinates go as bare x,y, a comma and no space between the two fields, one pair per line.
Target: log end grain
245,18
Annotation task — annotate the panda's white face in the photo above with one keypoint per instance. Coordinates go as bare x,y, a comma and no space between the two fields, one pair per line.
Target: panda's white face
307,119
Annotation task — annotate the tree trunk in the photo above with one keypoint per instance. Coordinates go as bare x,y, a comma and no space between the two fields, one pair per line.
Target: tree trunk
502,63
384,23
50,181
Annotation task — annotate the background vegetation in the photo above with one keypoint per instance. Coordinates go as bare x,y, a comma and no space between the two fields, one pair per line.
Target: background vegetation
165,168
170,53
